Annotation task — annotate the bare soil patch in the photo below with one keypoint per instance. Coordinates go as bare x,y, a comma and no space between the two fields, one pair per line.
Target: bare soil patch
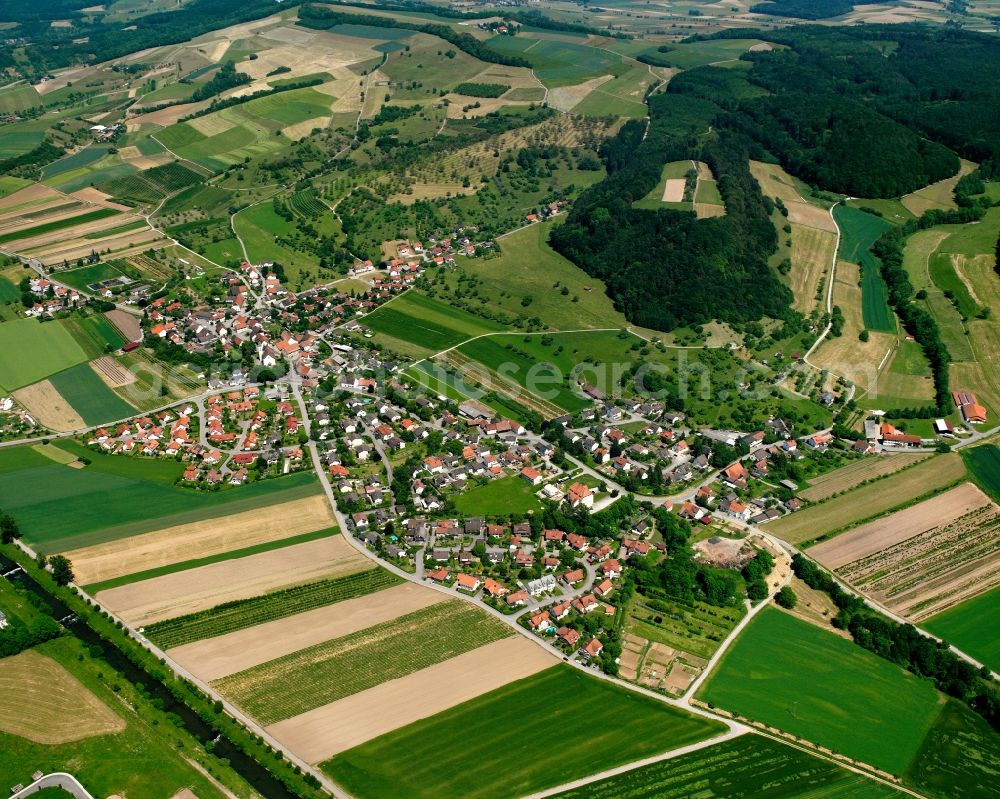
205,587
199,539
227,654
48,407
28,194
324,732
92,195
41,701
126,323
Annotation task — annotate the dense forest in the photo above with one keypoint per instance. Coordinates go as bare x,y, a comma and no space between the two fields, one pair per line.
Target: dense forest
804,9
854,111
666,268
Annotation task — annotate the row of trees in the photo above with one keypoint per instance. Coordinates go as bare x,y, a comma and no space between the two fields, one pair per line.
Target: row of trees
904,645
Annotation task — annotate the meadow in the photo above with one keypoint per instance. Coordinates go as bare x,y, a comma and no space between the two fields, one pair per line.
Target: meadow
556,726
90,396
799,678
416,324
972,626
858,232
818,521
498,498
243,613
528,267
51,346
315,676
140,760
747,766
672,170
95,333
945,277
60,508
983,464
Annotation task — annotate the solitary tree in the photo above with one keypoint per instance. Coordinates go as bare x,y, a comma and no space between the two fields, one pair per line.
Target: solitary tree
62,569
786,598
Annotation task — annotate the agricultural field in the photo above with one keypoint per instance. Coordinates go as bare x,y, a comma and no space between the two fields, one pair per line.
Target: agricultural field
971,626
820,521
794,676
498,498
240,614
57,507
858,232
303,680
417,325
959,758
905,381
453,754
52,346
925,559
983,463
670,191
59,708
853,474
560,63
938,195
747,766
846,355
90,396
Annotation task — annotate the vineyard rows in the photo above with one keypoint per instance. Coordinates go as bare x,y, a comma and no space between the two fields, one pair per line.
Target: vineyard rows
305,203
243,613
332,670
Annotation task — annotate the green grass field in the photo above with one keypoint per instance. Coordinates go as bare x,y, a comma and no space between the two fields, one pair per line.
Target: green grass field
946,279
560,63
291,107
972,626
983,463
51,346
858,232
60,508
535,733
244,613
416,324
93,333
960,758
498,498
809,682
749,766
326,672
18,98
672,170
10,184
58,224
89,396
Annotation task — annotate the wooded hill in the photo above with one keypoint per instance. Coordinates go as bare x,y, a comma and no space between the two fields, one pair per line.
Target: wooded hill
857,111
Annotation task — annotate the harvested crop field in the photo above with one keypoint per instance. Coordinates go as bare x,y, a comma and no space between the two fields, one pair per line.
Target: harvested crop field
847,477
820,520
199,539
227,654
673,190
293,684
41,701
208,586
49,407
334,728
925,559
812,257
127,323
